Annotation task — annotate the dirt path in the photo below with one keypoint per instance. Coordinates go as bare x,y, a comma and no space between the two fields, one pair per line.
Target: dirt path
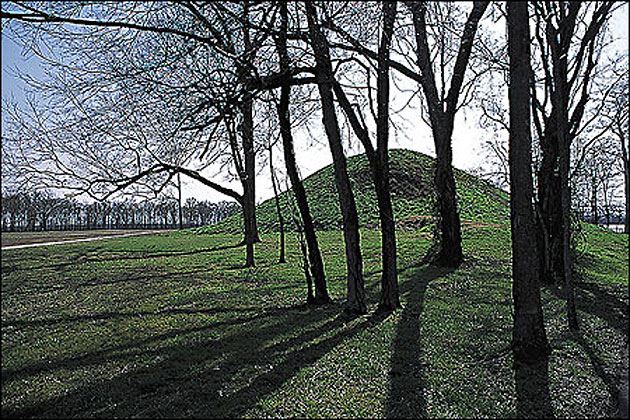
69,241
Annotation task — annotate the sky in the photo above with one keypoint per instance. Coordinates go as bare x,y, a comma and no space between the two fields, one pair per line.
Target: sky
467,137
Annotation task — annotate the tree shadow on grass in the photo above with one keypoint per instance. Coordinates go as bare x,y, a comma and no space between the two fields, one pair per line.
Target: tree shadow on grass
406,394
600,369
204,374
82,258
606,303
146,277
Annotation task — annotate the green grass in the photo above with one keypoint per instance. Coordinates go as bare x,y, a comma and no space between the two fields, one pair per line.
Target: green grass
412,188
172,326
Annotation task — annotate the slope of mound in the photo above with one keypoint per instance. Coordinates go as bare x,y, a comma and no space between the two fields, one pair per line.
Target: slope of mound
413,197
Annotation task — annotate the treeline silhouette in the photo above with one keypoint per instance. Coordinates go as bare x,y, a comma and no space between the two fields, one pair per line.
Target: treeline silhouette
38,211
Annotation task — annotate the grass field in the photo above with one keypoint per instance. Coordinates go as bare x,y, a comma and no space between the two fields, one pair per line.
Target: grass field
171,325
24,238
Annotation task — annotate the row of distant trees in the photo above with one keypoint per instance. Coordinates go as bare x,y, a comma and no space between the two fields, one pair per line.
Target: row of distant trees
41,210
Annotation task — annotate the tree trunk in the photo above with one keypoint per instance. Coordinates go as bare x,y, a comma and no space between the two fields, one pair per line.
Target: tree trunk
389,281
529,340
281,258
626,175
314,255
560,102
442,115
179,201
450,251
249,182
594,215
354,262
627,181
248,178
549,226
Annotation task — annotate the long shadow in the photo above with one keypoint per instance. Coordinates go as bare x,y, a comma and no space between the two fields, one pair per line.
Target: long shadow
146,277
108,316
533,399
592,298
265,384
107,354
601,302
197,378
406,394
610,381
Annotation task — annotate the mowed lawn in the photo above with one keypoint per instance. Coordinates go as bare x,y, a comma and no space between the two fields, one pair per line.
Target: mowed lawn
172,325
26,238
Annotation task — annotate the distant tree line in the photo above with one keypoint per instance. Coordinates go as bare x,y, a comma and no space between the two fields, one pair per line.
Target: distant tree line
38,211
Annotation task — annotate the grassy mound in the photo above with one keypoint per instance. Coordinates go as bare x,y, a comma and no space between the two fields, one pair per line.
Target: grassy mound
413,195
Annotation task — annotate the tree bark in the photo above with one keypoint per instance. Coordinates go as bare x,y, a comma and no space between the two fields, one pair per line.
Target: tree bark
179,200
627,186
354,262
379,160
626,172
389,299
529,340
247,133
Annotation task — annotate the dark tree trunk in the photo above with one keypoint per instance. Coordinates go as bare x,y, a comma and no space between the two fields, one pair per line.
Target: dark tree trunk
249,182
281,258
594,215
314,255
379,160
248,177
560,23
627,181
450,251
355,283
529,340
179,201
549,223
389,299
560,96
626,175
380,168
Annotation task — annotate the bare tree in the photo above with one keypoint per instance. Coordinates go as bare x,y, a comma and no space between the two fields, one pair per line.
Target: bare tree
324,75
313,265
442,109
378,156
195,50
616,112
567,72
529,340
